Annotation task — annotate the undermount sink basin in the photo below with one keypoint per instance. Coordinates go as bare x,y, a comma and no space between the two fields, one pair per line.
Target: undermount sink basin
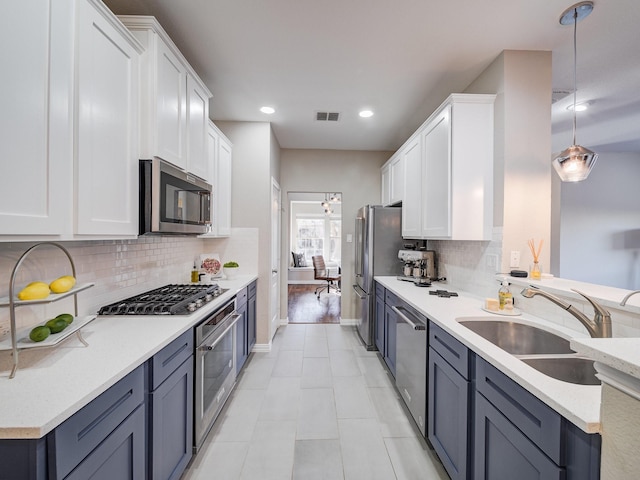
568,369
548,353
518,338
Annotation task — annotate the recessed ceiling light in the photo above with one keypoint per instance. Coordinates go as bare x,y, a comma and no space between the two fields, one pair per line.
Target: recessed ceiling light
268,110
580,107
366,113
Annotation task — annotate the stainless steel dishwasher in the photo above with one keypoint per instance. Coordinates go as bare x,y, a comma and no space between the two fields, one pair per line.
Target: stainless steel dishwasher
411,362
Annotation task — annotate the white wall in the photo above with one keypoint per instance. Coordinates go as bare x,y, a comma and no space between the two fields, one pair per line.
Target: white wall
255,160
599,224
354,173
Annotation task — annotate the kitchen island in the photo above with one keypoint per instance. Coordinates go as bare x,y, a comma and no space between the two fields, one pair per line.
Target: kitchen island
489,414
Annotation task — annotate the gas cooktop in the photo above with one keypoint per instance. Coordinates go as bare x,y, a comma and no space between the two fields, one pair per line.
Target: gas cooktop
168,300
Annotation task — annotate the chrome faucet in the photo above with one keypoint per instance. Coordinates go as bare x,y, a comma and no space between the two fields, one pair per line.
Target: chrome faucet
624,300
599,327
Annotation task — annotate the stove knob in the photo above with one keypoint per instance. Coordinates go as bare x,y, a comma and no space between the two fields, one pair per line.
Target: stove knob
192,307
208,297
199,302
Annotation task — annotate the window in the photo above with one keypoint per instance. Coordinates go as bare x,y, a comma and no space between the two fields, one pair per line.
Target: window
317,234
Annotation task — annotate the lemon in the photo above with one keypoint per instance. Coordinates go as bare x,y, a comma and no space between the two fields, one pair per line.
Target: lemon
67,317
37,283
62,284
39,333
56,325
35,291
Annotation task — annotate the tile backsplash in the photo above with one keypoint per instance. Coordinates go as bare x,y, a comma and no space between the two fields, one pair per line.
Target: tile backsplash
119,268
470,265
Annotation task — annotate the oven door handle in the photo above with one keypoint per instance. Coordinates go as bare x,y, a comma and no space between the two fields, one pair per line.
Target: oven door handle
413,325
235,317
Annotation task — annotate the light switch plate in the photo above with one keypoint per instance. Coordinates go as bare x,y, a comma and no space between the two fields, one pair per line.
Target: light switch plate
515,259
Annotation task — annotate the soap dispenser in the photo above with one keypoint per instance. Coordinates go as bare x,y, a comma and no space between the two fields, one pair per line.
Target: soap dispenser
505,296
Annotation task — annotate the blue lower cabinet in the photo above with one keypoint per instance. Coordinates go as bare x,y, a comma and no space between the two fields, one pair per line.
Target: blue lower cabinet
252,312
87,435
519,436
121,455
171,424
390,322
379,324
502,452
448,427
23,459
242,340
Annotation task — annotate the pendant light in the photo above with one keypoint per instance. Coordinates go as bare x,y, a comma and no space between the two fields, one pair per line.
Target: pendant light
575,163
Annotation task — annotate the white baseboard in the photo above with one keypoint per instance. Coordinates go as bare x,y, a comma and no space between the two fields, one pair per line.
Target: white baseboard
261,347
349,321
306,282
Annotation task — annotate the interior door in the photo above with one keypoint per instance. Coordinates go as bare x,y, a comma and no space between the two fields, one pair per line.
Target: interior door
276,215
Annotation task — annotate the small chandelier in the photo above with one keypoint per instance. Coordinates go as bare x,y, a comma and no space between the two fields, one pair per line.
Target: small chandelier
575,163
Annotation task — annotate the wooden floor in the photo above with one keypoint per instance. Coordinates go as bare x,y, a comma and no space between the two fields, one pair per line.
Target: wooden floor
304,306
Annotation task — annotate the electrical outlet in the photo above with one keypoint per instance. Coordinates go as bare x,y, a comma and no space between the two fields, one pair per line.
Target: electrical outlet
515,259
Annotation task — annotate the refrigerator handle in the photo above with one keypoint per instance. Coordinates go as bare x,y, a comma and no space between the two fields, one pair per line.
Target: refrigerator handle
357,289
359,246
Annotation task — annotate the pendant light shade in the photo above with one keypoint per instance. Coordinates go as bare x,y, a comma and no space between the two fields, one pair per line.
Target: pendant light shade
575,163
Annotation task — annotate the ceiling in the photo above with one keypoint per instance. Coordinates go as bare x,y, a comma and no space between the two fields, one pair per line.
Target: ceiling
399,58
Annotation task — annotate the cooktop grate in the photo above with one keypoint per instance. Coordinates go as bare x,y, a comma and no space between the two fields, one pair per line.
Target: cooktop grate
175,299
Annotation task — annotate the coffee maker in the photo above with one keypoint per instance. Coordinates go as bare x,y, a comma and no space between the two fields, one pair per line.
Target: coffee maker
419,266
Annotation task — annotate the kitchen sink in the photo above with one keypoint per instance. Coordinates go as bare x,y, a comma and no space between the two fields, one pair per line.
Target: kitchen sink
568,369
547,352
517,338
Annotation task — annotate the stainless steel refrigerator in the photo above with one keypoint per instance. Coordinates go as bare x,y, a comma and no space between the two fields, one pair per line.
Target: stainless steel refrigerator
378,238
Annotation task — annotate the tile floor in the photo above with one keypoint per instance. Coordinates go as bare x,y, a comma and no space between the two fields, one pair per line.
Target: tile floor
318,406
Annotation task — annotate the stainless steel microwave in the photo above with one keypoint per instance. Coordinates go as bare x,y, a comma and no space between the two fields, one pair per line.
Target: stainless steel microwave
172,201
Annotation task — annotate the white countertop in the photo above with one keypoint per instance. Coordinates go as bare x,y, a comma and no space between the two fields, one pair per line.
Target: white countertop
52,384
580,404
623,354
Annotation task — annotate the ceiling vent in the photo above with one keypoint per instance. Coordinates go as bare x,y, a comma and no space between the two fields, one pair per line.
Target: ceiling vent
560,93
327,116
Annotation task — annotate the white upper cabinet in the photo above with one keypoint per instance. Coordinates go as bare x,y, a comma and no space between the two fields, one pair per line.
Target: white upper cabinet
107,124
220,158
393,180
163,132
436,176
449,188
197,128
174,104
411,154
36,96
70,119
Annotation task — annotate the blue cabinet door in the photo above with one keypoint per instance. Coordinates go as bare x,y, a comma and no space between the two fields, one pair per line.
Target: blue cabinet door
241,337
390,321
379,325
503,452
251,317
171,434
448,416
121,455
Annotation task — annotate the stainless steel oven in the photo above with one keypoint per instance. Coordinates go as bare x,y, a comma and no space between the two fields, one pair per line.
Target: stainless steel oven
215,369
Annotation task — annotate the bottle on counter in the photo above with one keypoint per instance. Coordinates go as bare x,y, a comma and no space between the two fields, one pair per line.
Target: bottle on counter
195,277
505,297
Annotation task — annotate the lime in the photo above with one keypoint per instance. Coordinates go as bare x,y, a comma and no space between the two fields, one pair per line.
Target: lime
67,317
39,333
56,325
